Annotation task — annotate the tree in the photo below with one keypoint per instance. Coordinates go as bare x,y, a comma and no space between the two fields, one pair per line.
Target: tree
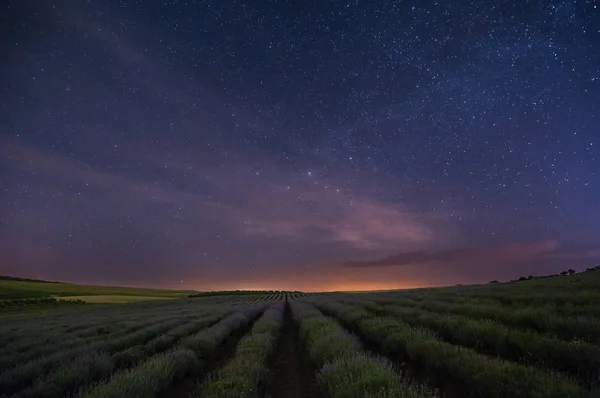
571,271
494,281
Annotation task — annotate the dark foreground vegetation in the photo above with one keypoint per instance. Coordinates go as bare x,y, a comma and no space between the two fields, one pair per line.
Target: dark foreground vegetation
537,338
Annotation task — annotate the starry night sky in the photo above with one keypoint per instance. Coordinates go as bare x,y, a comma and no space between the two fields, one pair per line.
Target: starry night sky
309,145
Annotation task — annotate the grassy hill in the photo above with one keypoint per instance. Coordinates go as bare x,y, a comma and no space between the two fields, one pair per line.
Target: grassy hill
13,288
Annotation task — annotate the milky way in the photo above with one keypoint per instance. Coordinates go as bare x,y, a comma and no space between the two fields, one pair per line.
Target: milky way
276,144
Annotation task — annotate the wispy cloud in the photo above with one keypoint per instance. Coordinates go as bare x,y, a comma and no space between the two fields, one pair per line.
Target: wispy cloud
360,224
68,169
505,253
235,198
308,211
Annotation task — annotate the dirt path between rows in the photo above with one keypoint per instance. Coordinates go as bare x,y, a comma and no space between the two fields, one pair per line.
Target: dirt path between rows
292,374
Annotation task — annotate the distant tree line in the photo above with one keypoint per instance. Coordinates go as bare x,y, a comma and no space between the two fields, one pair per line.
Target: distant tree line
16,278
568,272
36,302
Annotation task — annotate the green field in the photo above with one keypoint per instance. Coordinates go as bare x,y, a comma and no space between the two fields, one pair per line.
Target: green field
537,338
17,289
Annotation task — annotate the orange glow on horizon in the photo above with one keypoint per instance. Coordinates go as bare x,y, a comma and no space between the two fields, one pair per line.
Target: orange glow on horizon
325,278
308,286
366,287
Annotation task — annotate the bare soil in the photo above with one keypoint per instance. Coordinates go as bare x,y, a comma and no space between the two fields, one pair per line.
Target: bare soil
293,376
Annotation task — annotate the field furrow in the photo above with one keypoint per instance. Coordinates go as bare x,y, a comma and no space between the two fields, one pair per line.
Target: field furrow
46,343
292,375
566,327
456,370
246,373
213,359
575,358
96,365
345,369
21,376
191,355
